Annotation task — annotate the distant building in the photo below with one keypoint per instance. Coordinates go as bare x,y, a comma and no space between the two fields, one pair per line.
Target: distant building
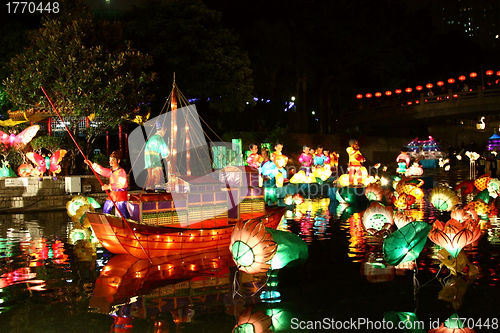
477,19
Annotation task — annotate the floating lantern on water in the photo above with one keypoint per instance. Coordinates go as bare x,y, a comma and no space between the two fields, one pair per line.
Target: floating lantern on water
443,198
453,235
400,219
257,322
377,218
374,192
257,249
406,243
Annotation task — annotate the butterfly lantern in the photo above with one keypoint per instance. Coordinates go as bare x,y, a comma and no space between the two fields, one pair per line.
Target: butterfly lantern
18,141
48,163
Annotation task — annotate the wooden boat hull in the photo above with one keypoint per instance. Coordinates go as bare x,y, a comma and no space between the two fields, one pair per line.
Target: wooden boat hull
144,241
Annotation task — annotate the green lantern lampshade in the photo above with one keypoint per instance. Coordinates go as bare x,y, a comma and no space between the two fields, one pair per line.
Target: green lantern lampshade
484,195
405,244
93,202
408,321
292,250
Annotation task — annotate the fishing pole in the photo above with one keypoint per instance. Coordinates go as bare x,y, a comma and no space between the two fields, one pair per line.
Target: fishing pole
95,174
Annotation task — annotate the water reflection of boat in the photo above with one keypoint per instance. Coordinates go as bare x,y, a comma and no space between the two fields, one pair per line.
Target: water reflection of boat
174,284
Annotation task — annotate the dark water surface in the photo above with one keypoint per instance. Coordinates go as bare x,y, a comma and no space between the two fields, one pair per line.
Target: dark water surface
48,283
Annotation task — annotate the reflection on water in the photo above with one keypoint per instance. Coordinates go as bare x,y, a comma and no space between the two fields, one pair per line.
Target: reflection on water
51,282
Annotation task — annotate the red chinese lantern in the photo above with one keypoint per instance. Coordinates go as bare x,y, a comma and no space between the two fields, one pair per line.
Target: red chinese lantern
429,85
451,80
359,96
473,74
441,83
498,73
418,88
388,93
398,91
461,77
489,72
378,94
408,90
368,95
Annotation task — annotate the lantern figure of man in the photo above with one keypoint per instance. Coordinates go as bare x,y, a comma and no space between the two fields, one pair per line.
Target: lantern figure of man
156,149
356,161
118,184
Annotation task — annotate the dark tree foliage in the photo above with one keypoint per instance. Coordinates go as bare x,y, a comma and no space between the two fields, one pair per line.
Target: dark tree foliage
188,39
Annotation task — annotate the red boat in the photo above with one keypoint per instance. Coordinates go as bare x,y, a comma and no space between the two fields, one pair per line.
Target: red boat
150,241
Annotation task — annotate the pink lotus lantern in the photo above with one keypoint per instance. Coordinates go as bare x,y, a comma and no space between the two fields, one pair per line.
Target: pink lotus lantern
453,235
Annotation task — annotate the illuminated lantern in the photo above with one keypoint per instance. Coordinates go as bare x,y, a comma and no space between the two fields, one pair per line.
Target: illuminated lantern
461,77
473,74
489,72
378,94
377,218
453,235
451,80
443,198
257,322
374,192
457,265
464,216
404,201
405,319
405,244
25,170
452,325
368,95
288,200
400,219
482,182
257,249
388,93
252,246
298,199
498,73
494,187
75,203
429,85
408,90
397,91
441,83
359,96
418,88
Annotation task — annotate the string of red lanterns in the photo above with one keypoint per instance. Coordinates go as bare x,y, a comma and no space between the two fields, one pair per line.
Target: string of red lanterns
428,85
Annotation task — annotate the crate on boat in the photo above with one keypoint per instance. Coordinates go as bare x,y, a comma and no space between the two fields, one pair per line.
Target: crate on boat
253,201
158,208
